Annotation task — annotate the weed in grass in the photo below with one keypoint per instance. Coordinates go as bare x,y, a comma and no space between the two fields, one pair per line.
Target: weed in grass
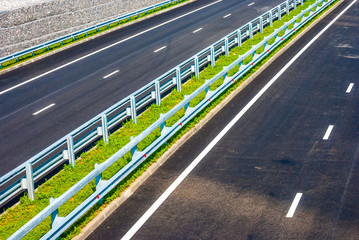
290,26
115,24
40,51
67,41
29,55
54,46
271,41
81,36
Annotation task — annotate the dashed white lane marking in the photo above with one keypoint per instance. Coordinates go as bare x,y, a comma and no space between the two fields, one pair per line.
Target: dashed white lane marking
209,147
294,205
199,29
109,75
251,4
350,88
160,49
227,15
327,133
107,47
45,108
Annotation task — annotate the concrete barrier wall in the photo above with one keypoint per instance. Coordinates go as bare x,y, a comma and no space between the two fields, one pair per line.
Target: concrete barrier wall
24,23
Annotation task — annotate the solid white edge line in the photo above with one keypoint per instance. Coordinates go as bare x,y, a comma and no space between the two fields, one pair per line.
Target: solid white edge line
294,205
350,87
227,15
105,48
43,109
109,75
199,29
327,133
198,159
251,4
160,49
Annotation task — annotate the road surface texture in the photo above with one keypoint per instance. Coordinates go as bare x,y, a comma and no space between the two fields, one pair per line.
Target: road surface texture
76,92
300,137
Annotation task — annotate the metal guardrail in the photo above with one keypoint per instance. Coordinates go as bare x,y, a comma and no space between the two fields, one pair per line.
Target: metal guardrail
60,224
85,31
24,176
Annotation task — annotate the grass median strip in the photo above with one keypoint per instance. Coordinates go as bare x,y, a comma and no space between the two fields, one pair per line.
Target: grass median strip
14,218
77,38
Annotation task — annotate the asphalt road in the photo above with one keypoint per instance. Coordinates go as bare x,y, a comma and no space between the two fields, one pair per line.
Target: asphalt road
244,187
77,92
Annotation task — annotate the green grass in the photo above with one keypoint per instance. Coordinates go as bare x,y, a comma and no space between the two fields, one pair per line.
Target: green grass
65,179
13,62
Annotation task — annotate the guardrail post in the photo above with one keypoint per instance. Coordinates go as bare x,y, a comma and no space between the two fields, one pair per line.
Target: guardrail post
239,37
196,66
207,90
261,24
240,64
250,29
213,57
158,92
163,124
301,2
295,4
226,47
287,7
133,109
99,182
98,178
134,149
224,75
104,127
279,12
178,79
270,16
55,219
186,107
28,182
70,150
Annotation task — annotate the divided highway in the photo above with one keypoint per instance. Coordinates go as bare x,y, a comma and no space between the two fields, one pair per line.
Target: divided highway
43,101
288,168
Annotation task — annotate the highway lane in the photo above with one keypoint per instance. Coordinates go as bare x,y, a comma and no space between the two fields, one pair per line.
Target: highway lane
244,187
78,92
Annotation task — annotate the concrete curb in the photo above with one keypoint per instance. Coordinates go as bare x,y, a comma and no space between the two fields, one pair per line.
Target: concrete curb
34,59
91,226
